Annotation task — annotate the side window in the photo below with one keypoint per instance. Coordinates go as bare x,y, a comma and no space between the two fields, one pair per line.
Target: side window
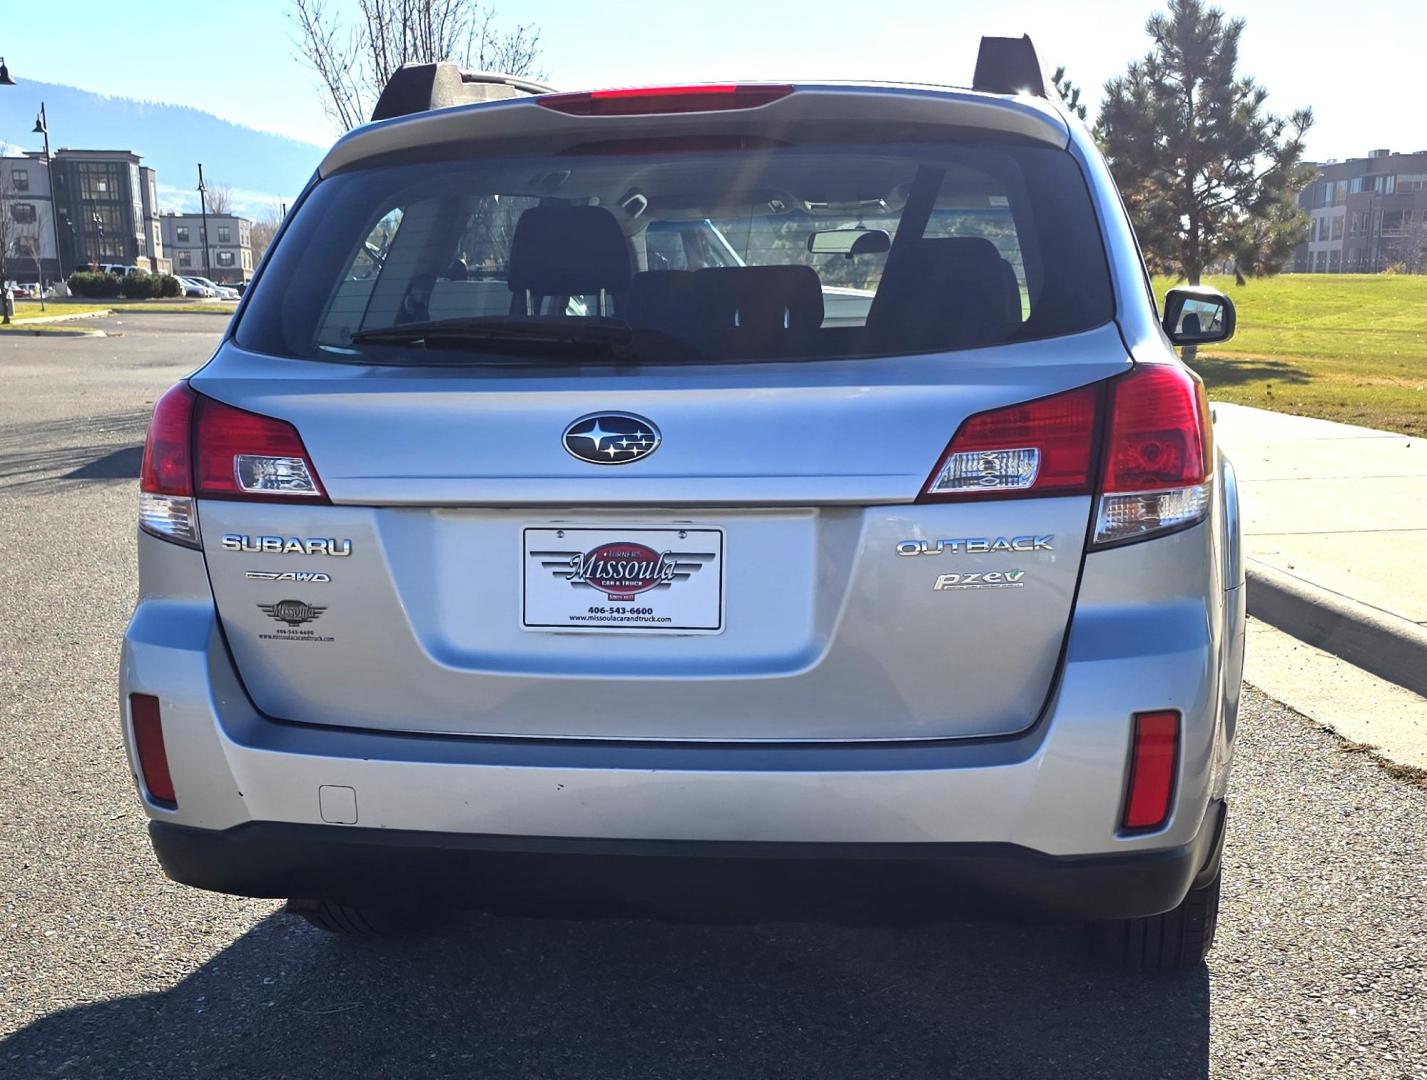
349,302
370,255
664,247
483,250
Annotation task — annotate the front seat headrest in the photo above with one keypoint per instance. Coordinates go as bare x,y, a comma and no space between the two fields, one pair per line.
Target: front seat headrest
568,251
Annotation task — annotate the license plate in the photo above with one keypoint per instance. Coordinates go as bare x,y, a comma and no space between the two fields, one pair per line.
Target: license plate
602,580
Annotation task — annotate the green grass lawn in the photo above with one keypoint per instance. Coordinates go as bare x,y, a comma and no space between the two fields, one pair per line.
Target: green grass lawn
1346,347
30,309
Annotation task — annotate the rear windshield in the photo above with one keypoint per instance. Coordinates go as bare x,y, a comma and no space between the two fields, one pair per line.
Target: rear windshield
676,250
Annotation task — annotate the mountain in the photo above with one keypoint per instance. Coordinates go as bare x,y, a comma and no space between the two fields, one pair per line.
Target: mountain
260,168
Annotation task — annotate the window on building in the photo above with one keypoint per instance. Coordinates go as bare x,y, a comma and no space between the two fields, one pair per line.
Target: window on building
1382,184
22,213
1320,262
1394,222
225,258
1333,262
180,233
225,234
185,259
1337,228
20,179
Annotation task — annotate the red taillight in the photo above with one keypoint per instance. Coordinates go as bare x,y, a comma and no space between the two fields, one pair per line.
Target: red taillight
200,447
1159,434
242,455
167,468
149,742
1153,756
1041,447
644,100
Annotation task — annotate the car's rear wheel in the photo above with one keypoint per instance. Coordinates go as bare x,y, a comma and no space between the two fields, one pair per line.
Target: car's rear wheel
359,922
1177,939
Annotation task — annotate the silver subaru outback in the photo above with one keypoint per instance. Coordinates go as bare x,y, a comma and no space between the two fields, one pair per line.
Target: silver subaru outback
726,501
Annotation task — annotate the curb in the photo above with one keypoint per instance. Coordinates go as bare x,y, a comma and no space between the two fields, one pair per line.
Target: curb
48,320
1387,645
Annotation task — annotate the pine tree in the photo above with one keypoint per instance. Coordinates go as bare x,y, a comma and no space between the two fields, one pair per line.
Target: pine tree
1208,174
1069,92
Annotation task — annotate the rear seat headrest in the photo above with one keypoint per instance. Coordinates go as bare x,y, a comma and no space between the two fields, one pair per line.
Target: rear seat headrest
663,300
568,251
763,298
945,292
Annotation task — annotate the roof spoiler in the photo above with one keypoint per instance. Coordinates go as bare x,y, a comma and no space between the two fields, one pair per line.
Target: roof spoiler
416,88
1009,66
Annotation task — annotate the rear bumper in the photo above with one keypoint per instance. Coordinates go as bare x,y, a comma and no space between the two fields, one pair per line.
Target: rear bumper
283,809
701,879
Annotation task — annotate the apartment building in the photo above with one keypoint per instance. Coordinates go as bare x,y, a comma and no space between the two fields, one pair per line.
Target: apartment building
230,245
104,203
28,232
1366,215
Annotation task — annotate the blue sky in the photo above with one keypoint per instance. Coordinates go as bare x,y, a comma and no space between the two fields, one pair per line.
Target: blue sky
237,59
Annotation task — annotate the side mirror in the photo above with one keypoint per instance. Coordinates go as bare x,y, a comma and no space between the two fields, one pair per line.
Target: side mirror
1198,315
849,242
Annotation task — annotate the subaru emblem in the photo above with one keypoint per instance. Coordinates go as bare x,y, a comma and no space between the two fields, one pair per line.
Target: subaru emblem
611,438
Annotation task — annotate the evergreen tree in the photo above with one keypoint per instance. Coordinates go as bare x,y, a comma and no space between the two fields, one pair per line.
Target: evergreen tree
1208,174
1069,92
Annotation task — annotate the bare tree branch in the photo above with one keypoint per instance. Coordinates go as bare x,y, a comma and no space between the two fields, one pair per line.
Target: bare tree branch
264,228
355,48
220,199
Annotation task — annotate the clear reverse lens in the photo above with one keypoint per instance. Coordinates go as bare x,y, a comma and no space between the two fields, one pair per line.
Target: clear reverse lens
259,474
988,470
172,517
1123,517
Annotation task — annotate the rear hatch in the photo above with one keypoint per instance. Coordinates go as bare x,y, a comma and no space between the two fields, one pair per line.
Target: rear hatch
579,485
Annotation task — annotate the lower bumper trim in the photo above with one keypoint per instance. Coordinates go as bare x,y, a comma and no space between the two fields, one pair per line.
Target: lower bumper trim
700,880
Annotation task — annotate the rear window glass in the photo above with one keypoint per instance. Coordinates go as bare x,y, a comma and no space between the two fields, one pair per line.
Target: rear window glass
687,250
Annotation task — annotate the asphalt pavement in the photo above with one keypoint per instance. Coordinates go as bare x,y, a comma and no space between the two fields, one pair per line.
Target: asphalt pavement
108,970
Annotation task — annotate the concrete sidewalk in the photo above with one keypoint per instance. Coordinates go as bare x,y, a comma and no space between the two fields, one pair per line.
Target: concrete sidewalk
1335,535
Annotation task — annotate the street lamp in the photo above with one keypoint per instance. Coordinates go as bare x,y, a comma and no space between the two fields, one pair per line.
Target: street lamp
5,79
203,209
42,127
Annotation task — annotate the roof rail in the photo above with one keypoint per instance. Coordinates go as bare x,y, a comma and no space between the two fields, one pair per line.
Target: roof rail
415,88
1009,66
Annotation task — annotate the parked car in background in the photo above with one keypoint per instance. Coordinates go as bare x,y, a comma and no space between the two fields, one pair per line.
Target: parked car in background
221,291
195,289
538,538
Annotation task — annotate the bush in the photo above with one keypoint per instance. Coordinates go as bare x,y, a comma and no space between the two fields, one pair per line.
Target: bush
139,286
94,284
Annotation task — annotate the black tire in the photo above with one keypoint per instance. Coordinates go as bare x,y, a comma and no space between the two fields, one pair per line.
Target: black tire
1178,939
357,922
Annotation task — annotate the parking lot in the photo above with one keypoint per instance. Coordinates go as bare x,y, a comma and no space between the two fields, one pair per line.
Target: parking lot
108,970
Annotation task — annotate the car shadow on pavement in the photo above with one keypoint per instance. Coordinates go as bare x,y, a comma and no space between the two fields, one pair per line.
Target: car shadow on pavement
486,996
